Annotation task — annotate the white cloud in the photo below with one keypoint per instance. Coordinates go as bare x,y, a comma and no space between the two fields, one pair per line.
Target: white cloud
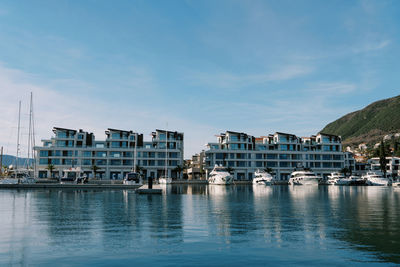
371,46
81,111
228,80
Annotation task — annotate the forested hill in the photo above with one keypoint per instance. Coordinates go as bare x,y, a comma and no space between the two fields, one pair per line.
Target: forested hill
369,124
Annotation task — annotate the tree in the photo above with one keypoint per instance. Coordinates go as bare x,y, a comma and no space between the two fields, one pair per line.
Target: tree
345,171
179,170
229,169
50,167
94,168
269,170
382,157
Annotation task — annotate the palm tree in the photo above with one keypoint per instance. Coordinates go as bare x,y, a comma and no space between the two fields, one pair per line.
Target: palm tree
345,170
50,167
269,170
179,170
94,168
229,169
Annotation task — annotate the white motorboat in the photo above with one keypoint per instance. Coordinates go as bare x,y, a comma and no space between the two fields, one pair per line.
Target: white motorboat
220,175
356,180
338,179
133,178
73,176
304,178
263,178
374,178
165,180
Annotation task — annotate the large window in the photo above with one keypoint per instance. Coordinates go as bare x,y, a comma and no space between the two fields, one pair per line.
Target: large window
101,154
115,154
44,153
87,153
115,144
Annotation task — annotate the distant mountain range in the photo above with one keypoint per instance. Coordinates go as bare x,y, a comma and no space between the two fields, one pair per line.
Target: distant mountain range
369,124
10,160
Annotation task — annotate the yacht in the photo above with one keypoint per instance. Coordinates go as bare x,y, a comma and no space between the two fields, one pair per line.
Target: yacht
133,178
263,178
220,175
73,176
373,178
338,178
356,180
304,178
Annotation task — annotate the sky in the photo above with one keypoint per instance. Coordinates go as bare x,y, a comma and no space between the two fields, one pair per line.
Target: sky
199,67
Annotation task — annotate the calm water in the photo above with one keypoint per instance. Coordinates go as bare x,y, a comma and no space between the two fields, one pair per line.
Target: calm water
202,225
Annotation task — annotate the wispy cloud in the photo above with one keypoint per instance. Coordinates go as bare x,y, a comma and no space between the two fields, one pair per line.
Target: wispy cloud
229,80
329,88
371,46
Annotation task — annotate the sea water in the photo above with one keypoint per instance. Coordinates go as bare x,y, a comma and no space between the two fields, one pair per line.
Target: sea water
200,225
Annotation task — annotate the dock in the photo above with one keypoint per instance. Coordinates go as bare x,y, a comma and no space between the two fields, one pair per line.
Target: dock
144,189
68,186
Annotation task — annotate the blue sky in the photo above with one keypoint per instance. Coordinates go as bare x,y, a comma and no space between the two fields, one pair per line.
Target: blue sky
203,67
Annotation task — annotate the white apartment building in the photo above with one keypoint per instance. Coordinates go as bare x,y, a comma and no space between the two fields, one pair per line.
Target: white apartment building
282,152
392,165
113,157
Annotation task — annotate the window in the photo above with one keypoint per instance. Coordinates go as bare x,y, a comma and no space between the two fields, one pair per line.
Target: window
234,146
100,145
61,135
43,161
57,153
219,156
115,162
283,147
259,156
86,162
272,156
115,136
282,139
44,153
101,154
115,154
115,144
259,164
87,153
284,156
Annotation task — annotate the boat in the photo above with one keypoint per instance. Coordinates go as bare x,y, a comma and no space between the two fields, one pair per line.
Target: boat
165,179
133,178
338,178
304,177
18,175
220,175
73,176
376,179
356,180
263,178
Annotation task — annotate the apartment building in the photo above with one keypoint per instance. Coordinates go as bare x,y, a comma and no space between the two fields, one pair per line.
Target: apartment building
392,165
113,157
281,152
196,167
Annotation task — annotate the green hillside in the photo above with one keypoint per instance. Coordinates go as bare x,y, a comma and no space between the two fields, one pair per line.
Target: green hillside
369,124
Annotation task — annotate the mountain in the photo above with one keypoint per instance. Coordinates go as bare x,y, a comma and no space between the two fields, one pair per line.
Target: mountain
10,160
369,124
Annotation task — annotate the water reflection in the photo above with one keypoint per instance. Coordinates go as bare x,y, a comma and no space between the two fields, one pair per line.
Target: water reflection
356,224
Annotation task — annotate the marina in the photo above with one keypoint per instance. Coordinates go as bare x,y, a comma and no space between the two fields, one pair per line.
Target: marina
201,225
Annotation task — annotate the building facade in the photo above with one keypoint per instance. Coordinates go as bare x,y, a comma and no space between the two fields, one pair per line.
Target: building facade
113,157
392,166
196,167
280,152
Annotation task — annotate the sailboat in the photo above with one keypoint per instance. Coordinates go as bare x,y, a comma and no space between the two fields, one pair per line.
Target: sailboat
165,179
134,178
18,175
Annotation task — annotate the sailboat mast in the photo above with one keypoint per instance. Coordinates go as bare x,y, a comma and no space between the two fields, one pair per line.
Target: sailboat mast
134,153
166,152
33,136
29,134
19,125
